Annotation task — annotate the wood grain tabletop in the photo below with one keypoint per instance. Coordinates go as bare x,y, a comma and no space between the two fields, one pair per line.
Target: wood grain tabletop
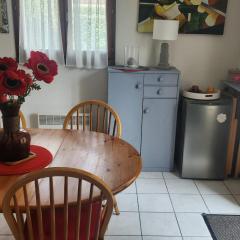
112,159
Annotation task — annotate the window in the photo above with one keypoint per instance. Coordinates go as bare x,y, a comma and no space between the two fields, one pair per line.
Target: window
81,32
40,29
87,33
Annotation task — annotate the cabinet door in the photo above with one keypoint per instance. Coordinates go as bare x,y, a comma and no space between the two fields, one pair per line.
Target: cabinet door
125,94
158,134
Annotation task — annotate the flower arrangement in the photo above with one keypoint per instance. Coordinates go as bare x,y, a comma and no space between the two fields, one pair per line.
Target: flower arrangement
16,84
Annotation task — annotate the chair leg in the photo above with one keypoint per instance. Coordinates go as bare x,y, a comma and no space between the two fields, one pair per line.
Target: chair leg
117,212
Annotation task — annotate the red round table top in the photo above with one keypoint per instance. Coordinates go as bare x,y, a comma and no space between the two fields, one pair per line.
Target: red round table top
42,159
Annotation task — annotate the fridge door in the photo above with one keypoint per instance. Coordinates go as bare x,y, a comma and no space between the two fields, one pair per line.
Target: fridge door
206,138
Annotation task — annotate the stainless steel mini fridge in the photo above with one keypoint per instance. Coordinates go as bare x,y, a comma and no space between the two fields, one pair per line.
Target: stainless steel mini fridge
203,138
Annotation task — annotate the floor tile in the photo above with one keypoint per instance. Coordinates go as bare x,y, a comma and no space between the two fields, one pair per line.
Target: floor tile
192,225
151,186
181,186
130,189
163,224
127,223
154,203
237,197
151,175
188,203
233,185
121,238
197,238
6,237
4,229
212,187
171,175
160,238
221,204
127,202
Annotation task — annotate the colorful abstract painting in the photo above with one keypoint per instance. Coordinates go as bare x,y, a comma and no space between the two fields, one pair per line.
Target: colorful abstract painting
4,28
195,16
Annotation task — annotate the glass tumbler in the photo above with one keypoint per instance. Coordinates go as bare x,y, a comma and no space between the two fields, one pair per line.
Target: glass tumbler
131,56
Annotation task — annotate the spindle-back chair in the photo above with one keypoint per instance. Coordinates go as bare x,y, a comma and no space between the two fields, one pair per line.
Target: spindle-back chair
83,219
98,116
23,122
94,115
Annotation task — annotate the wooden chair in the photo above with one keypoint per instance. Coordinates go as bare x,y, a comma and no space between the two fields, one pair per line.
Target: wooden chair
97,116
94,115
73,219
23,123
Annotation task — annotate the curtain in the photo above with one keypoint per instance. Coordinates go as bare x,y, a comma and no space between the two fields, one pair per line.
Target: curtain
87,34
40,29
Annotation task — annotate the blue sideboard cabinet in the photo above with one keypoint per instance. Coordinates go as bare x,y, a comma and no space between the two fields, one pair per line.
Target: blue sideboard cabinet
146,102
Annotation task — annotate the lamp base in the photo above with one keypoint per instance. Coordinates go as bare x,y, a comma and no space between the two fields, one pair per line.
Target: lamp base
164,66
164,56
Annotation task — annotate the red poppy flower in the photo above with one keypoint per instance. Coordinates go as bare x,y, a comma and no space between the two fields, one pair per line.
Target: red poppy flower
3,98
43,68
27,77
7,63
14,82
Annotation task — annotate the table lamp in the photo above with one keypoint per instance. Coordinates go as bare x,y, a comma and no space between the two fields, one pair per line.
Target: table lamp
165,30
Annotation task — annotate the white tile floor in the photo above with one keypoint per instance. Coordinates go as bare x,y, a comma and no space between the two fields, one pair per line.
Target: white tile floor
161,206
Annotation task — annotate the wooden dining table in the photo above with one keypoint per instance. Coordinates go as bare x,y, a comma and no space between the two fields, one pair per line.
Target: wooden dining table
112,159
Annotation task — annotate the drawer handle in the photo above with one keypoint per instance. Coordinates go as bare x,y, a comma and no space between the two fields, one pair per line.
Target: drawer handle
160,79
138,86
146,110
159,91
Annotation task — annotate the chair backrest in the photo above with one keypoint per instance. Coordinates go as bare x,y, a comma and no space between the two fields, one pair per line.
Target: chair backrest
94,115
23,123
29,190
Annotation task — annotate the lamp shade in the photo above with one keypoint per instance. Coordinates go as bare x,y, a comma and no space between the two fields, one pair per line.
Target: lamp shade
165,29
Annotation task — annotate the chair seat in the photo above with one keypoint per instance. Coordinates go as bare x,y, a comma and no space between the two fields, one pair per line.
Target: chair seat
72,218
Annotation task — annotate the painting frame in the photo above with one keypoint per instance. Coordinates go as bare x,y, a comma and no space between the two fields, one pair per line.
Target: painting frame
195,16
4,24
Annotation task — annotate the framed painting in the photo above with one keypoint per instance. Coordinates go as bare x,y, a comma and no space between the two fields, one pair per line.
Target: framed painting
4,27
195,16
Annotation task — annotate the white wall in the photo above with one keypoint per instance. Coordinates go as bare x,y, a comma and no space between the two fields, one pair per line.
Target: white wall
68,88
202,59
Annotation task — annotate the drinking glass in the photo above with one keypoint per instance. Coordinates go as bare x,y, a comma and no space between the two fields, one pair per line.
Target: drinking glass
131,56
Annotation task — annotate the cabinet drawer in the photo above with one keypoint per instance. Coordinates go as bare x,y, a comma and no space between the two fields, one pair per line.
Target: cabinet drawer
161,79
160,92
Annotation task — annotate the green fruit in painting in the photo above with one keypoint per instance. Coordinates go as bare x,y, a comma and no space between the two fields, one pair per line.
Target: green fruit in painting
196,2
159,10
